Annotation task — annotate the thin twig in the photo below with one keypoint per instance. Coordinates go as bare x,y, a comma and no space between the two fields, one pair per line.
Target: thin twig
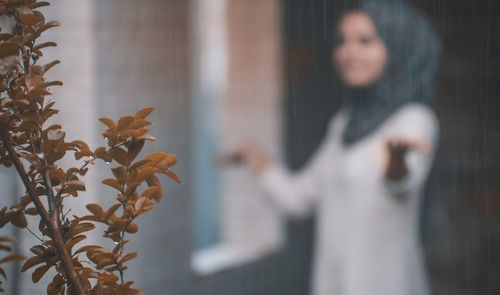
40,239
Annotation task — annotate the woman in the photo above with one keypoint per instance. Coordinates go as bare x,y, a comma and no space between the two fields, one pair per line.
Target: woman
365,180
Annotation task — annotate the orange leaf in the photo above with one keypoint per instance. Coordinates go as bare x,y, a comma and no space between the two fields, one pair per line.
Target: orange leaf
96,210
80,144
153,180
50,65
126,257
76,185
86,249
38,249
152,192
145,173
156,157
57,174
132,228
69,244
80,228
120,174
141,203
35,260
139,164
108,122
172,176
143,113
125,122
43,45
112,210
27,17
168,161
99,150
120,156
140,123
31,211
134,149
12,257
39,272
19,220
81,154
49,25
113,183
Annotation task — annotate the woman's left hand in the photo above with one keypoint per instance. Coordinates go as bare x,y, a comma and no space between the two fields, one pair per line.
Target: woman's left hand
396,166
397,150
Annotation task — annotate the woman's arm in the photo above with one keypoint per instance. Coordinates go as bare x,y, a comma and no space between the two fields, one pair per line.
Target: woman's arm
292,193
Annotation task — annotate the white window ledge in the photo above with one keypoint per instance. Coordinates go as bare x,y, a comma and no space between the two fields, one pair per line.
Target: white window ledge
222,257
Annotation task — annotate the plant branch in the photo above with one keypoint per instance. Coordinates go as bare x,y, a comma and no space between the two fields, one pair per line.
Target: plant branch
52,226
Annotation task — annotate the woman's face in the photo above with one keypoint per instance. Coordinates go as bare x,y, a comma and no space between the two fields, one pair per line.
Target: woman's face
360,55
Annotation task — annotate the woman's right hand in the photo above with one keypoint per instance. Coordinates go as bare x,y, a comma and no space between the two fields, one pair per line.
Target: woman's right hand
249,153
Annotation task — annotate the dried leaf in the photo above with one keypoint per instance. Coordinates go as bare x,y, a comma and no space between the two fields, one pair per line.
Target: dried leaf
49,25
139,164
12,257
108,122
69,244
8,49
120,174
143,113
55,134
80,228
134,149
84,153
112,210
43,45
39,4
19,220
96,210
113,183
35,260
27,17
99,150
76,185
38,250
153,180
141,203
31,211
125,122
86,249
144,173
172,175
50,65
126,257
152,192
140,123
132,228
120,156
39,272
5,248
81,145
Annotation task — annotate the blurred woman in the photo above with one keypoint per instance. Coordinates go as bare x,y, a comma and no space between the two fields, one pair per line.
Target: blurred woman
366,179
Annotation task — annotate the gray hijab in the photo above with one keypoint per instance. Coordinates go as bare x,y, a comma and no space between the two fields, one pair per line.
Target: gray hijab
413,53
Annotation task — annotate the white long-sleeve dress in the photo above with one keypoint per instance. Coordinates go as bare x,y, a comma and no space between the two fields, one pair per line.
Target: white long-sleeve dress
367,227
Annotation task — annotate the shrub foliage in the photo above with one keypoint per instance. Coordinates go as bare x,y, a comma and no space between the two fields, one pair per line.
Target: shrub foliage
35,148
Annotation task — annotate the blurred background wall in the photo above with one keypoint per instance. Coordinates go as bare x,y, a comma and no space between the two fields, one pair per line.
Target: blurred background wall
121,55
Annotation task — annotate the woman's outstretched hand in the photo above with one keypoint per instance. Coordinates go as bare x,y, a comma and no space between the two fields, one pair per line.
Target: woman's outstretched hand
397,150
250,154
